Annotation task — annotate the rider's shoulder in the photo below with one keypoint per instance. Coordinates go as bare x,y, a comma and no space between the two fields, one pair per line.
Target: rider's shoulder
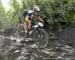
30,11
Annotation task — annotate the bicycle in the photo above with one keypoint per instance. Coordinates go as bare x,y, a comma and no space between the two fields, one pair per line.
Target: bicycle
39,35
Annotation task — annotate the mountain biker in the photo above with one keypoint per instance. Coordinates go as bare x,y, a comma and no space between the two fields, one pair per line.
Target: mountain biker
29,16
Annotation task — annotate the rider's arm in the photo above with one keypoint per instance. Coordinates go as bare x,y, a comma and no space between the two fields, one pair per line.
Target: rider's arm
39,18
27,18
28,21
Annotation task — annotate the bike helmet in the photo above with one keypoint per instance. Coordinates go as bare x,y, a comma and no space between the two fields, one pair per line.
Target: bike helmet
36,8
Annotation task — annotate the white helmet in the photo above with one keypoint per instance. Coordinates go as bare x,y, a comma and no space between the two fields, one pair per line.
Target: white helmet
36,8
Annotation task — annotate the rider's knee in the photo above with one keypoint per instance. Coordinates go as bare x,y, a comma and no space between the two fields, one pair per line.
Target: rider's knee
29,22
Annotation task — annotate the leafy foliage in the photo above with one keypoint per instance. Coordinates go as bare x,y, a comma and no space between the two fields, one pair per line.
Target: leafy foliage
54,11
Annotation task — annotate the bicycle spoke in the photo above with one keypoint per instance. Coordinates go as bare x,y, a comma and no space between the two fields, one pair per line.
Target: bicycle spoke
41,38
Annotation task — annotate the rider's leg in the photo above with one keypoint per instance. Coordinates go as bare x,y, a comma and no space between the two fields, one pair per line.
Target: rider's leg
25,26
30,30
29,24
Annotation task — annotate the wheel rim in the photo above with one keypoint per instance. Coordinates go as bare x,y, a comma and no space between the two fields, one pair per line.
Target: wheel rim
20,31
41,38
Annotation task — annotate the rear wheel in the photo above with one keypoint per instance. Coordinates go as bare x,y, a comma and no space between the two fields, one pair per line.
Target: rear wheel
20,31
40,37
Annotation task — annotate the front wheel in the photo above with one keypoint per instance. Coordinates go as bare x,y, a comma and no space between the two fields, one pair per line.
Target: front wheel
41,38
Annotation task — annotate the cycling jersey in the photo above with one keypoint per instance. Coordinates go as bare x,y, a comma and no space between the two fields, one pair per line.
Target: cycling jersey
29,14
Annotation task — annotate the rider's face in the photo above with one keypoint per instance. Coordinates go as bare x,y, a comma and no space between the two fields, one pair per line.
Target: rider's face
36,12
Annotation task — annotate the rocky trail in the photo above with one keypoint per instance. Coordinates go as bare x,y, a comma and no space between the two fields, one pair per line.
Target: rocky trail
11,48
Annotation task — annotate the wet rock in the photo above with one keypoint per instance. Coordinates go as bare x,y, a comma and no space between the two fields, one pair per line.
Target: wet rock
1,42
11,47
68,47
51,34
12,38
22,58
69,43
58,49
34,46
51,53
59,58
32,58
53,38
1,37
24,51
17,51
46,52
63,40
19,39
27,41
59,45
63,54
68,58
49,49
36,55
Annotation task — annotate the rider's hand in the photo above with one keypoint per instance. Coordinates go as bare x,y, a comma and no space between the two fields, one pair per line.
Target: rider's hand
42,22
